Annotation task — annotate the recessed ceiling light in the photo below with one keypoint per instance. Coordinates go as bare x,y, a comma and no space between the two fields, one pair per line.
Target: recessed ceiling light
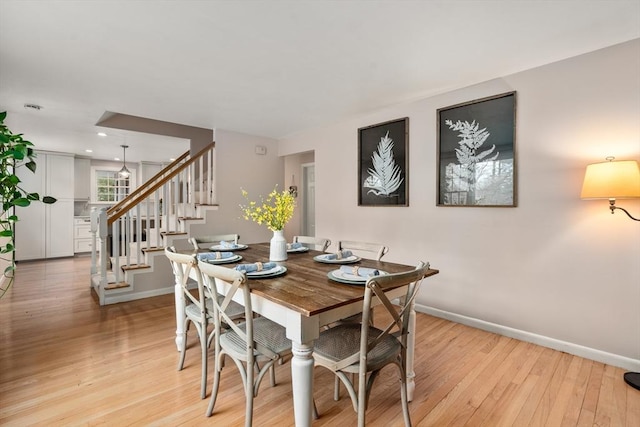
172,160
116,159
102,134
88,151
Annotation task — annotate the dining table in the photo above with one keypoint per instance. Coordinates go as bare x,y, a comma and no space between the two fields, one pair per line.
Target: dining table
305,294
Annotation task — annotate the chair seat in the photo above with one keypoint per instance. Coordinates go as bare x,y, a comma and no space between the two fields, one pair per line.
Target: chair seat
340,342
265,333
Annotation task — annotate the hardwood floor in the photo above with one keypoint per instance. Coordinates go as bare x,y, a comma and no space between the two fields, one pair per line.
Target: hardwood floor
66,361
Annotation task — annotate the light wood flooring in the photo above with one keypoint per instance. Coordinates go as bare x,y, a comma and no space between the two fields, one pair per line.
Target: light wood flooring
66,361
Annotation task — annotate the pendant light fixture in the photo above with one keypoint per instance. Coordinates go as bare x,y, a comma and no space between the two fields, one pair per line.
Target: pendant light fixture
124,172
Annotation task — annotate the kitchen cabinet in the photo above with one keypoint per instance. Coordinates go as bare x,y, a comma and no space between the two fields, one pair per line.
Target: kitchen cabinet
82,179
148,170
46,231
82,239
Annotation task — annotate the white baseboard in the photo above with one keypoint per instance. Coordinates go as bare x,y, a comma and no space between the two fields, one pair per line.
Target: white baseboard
124,297
567,347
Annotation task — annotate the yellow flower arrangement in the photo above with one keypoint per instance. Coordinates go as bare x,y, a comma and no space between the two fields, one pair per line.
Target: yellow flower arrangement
274,212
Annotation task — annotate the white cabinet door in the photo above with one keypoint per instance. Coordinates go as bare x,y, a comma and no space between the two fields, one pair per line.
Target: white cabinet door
59,240
30,231
46,231
82,179
148,170
60,173
30,228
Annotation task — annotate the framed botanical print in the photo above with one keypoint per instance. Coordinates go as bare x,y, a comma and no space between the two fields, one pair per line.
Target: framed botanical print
476,153
383,164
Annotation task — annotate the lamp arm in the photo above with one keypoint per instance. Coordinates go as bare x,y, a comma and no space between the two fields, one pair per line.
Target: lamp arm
613,207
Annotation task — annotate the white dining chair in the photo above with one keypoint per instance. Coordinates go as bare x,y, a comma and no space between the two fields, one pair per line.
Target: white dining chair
198,308
204,242
366,250
250,343
365,348
317,243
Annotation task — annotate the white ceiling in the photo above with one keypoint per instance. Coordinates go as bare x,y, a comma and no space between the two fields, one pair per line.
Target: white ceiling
267,68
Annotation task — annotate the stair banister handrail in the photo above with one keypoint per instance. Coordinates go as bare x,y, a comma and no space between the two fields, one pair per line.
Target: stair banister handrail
153,187
135,192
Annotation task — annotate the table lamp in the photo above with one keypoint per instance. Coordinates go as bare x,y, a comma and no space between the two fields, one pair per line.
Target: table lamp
614,180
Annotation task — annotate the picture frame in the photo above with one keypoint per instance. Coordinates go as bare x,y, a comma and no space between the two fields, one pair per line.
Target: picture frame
383,164
477,153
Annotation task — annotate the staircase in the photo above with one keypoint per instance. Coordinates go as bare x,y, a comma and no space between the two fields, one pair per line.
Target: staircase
127,258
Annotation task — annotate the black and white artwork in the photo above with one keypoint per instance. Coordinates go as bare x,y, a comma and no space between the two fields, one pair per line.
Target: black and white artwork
476,153
383,162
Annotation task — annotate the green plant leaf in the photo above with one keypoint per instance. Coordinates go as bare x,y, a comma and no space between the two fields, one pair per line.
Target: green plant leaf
3,115
33,196
49,200
18,154
12,218
6,233
31,166
21,201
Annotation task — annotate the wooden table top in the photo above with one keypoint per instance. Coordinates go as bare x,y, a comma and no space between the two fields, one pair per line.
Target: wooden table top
305,287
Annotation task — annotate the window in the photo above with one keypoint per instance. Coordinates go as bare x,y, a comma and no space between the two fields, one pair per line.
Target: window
108,186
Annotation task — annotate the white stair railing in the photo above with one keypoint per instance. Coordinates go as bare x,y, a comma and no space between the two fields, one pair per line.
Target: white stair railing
154,209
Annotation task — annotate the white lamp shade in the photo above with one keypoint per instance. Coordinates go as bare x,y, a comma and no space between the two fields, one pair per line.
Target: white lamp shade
612,180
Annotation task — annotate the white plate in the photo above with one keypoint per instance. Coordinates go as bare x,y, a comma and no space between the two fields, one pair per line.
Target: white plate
342,277
237,247
302,249
275,271
229,260
348,260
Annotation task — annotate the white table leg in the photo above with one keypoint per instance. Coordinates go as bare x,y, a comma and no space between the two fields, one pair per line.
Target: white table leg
302,382
411,348
180,332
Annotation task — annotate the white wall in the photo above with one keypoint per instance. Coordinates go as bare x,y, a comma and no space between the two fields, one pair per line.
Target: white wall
555,270
238,166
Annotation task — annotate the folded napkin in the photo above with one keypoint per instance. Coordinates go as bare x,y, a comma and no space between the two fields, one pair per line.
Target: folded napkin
359,271
339,255
227,245
258,266
212,256
296,245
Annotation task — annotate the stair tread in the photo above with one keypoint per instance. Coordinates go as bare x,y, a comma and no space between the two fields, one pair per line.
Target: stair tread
117,285
153,249
134,267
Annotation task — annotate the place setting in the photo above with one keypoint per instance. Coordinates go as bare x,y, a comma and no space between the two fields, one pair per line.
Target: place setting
262,270
296,247
354,275
219,257
340,257
228,246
